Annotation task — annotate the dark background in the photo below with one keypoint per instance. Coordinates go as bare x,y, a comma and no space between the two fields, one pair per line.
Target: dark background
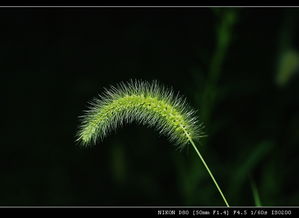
237,66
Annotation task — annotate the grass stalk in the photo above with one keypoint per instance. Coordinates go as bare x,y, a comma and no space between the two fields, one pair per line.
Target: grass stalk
209,171
256,196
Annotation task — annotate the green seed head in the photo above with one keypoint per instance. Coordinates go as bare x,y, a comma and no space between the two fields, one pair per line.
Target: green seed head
146,103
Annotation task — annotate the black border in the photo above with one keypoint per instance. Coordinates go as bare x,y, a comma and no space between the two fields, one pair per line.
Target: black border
167,211
205,3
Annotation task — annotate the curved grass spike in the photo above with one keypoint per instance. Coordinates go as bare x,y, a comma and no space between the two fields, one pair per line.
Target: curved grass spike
146,103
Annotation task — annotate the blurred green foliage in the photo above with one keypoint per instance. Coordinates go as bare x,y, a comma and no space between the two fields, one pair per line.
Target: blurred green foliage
237,66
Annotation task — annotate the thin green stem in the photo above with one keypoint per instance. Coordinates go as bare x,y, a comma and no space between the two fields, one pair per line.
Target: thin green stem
256,195
209,171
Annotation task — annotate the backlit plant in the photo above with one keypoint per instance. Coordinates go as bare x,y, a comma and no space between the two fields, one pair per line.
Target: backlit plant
148,104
